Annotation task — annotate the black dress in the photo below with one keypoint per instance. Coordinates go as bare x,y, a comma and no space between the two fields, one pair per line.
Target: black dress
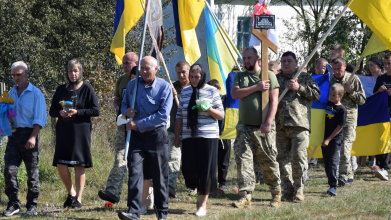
73,135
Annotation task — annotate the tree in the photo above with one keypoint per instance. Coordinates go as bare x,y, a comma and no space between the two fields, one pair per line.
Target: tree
46,34
313,19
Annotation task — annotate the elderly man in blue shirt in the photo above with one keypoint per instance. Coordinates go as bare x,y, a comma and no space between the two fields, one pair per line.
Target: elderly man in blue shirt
149,140
30,118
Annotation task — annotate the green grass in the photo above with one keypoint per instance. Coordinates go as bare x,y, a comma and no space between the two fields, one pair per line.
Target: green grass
368,198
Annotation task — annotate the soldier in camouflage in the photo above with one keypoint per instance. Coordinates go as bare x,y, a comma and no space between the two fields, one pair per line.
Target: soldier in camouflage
293,120
253,136
174,164
354,96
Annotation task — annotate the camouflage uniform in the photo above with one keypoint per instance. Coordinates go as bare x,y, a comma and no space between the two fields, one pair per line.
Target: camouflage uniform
119,171
257,171
350,101
293,121
174,163
249,140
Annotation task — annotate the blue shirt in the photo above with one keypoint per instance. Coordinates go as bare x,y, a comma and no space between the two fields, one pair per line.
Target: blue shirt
153,103
30,107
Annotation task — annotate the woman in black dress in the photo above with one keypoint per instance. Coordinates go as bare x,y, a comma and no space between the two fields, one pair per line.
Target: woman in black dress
73,130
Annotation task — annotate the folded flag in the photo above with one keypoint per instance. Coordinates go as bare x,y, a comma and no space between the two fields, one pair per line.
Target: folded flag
231,111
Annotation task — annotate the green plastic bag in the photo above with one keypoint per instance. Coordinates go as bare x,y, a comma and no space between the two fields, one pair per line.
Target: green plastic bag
204,104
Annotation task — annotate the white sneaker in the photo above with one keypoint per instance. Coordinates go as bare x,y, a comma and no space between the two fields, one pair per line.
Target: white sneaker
200,212
382,174
150,198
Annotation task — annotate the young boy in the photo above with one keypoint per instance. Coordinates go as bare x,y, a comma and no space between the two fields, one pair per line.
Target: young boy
331,146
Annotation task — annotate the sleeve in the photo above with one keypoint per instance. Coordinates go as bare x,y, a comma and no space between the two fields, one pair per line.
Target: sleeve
92,103
235,81
179,113
217,104
162,114
40,115
309,89
377,85
273,81
116,88
127,99
342,117
55,107
357,94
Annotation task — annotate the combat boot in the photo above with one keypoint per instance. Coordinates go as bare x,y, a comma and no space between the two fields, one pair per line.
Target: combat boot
288,196
244,201
276,198
299,197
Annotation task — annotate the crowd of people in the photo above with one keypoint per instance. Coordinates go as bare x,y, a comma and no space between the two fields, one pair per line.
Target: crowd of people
170,137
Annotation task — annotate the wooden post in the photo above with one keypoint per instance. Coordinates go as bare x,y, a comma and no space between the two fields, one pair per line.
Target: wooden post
266,44
168,76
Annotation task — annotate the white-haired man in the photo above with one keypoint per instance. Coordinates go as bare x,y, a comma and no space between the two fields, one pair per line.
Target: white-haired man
30,118
149,139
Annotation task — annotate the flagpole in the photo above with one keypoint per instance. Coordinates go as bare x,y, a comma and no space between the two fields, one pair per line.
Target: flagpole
129,133
222,35
314,51
355,69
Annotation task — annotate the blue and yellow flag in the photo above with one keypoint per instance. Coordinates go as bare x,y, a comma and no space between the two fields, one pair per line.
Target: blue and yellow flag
231,111
376,15
220,60
186,14
127,14
373,127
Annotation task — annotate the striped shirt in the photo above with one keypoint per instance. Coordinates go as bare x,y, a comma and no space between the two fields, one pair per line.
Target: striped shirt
207,125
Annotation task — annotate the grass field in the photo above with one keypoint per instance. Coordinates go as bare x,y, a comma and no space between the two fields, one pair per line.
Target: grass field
368,198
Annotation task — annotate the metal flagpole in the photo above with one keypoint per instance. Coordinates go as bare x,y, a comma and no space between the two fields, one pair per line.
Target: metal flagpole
314,50
128,134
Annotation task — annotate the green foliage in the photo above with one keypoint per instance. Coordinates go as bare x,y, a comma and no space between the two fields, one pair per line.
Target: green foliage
313,18
46,34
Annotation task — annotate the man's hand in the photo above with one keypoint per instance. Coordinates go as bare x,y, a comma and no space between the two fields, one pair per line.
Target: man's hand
174,93
382,88
325,143
263,85
30,143
116,109
347,88
131,125
177,142
293,85
130,113
265,128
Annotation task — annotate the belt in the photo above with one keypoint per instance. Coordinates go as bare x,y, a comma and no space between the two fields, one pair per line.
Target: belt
24,129
253,126
148,133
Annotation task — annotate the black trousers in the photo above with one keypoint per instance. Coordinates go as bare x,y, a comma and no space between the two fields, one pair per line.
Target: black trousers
15,153
331,161
148,150
223,155
199,164
381,160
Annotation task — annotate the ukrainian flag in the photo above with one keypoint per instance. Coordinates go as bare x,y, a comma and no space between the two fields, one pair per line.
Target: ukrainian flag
318,112
373,127
127,14
231,111
220,60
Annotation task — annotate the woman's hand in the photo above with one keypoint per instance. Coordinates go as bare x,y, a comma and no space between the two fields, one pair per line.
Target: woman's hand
177,142
64,114
72,112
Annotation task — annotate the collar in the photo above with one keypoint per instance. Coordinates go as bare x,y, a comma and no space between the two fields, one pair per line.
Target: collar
29,87
151,86
339,80
281,73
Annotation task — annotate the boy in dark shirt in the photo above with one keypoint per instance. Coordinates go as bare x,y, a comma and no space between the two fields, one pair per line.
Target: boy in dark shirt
331,146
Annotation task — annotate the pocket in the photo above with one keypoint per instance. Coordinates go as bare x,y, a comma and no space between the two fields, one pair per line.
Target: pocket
27,109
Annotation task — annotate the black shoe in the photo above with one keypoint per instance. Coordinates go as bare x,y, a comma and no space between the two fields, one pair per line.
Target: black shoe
108,196
75,204
350,182
69,201
128,216
12,209
341,181
171,192
31,211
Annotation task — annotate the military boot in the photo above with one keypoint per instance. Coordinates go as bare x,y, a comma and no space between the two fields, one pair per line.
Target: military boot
299,197
276,198
244,201
288,196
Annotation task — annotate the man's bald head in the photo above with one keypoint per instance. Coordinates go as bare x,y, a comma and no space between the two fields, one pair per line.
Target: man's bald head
274,67
129,61
320,66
